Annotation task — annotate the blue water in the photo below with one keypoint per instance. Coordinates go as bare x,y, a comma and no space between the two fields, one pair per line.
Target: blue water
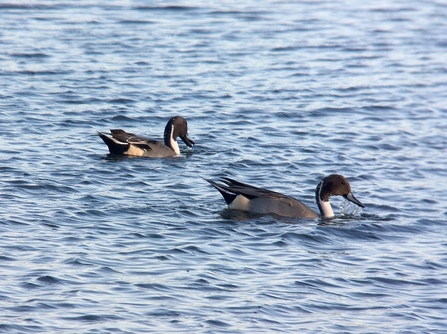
277,94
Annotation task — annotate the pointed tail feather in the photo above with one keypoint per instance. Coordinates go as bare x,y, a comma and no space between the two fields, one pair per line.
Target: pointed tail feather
227,195
115,147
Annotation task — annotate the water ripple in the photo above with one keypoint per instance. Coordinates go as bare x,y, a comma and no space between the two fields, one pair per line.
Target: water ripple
277,96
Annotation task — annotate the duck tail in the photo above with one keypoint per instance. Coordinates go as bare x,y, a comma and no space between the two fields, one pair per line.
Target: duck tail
115,147
227,195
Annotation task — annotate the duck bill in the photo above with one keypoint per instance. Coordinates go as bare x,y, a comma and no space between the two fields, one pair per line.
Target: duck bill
350,197
187,141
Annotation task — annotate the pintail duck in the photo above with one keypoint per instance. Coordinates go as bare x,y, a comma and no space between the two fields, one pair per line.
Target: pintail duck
122,142
245,197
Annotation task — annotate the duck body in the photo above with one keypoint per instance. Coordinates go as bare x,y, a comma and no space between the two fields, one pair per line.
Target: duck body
124,143
249,198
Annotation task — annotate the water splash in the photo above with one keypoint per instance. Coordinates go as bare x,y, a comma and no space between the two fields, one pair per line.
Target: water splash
348,208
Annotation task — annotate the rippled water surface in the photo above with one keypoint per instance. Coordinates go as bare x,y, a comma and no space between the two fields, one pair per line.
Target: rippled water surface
277,94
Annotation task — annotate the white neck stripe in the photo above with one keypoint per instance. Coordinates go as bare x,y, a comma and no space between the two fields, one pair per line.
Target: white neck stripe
325,207
173,142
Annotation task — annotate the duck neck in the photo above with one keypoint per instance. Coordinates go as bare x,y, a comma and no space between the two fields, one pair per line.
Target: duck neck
324,206
170,141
